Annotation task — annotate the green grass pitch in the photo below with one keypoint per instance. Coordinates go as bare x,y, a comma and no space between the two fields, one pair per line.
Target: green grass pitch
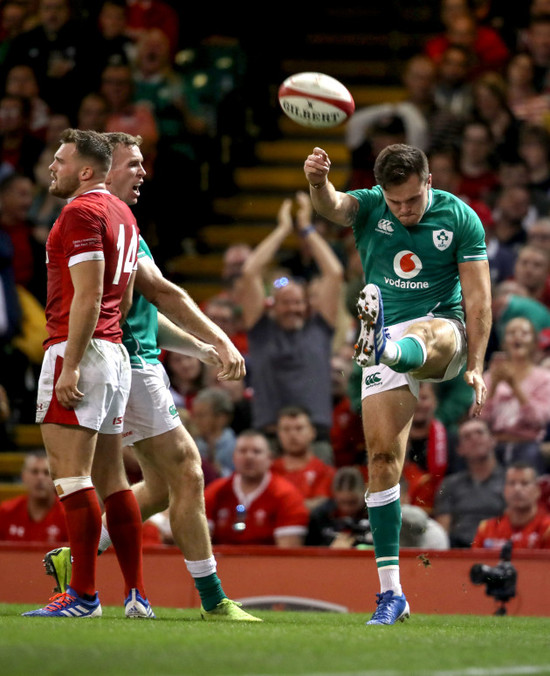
286,643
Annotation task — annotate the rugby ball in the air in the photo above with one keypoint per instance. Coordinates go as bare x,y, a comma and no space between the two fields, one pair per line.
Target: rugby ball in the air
315,100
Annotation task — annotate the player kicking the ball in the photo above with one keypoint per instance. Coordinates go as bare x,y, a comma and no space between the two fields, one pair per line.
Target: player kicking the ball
423,254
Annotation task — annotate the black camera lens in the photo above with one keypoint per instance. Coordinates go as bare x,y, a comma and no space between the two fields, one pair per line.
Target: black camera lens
478,573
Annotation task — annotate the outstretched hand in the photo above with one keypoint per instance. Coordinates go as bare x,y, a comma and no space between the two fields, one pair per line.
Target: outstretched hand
475,379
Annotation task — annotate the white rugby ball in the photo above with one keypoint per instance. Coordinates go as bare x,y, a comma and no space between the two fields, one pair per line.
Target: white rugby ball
315,100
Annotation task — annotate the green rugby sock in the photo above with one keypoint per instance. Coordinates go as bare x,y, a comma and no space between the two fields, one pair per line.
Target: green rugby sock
385,521
210,590
409,355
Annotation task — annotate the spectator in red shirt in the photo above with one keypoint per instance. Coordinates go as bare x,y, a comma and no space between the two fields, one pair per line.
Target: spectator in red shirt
145,14
444,165
37,516
524,521
477,161
253,506
462,28
298,462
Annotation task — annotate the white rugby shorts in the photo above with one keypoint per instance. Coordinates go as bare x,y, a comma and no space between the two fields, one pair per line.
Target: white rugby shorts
105,377
381,378
151,409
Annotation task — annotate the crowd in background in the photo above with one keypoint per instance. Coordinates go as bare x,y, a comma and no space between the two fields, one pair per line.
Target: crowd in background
476,100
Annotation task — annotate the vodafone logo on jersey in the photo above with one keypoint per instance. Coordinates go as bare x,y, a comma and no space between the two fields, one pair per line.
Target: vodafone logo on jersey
406,264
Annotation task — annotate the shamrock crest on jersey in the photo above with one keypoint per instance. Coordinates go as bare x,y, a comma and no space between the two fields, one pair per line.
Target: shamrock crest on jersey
442,239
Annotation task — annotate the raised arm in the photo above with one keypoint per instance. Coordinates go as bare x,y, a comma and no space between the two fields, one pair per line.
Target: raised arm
338,207
180,308
332,271
476,291
250,288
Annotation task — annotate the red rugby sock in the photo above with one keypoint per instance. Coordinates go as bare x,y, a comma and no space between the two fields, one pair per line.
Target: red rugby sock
124,526
83,516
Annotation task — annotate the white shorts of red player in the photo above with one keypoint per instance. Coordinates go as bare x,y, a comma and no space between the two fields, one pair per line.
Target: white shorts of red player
105,379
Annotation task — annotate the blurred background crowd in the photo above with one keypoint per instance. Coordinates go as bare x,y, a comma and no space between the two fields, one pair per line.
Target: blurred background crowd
200,91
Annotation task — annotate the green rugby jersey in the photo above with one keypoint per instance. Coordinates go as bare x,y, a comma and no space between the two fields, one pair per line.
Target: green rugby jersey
140,331
416,267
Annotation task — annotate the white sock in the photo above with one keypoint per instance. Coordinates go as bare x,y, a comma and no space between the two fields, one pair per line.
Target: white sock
202,568
104,540
390,579
391,353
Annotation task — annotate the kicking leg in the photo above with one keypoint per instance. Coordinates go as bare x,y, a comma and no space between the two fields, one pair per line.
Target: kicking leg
425,350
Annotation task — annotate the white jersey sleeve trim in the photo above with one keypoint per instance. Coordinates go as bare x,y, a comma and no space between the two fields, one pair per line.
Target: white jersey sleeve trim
86,256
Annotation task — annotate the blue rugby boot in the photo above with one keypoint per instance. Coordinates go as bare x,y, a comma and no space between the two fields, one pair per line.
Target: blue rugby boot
68,604
135,606
390,609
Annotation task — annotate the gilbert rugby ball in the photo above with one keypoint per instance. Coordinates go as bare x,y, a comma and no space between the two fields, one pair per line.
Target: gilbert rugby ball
315,100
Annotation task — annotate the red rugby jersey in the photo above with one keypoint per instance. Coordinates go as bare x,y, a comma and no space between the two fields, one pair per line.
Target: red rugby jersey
494,533
17,526
313,481
93,226
274,508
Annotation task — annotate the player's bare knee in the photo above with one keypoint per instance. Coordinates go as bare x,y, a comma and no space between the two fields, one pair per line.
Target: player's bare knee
440,342
186,472
194,477
425,331
384,467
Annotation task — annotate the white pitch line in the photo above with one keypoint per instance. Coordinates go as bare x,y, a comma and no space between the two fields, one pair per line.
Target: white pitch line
519,670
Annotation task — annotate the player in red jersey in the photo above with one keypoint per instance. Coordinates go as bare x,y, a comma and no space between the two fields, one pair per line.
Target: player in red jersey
85,378
524,522
254,506
38,515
